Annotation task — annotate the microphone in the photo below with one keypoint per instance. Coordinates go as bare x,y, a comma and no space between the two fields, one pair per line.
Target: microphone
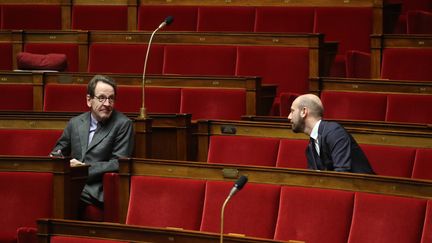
168,20
238,185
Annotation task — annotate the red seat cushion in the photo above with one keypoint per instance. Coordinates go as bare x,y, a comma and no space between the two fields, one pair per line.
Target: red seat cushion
94,17
51,61
243,150
226,18
423,164
252,212
16,97
65,97
406,107
6,62
31,16
150,17
70,50
284,19
28,142
407,64
291,154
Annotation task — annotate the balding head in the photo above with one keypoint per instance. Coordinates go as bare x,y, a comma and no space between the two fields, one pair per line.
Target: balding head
312,103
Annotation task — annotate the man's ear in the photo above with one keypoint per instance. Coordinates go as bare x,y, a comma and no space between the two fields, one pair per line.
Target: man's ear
303,112
88,99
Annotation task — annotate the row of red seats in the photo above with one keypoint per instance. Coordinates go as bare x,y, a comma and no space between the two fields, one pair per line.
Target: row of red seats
290,153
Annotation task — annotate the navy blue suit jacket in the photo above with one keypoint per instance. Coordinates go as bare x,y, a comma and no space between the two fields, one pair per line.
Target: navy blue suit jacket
338,151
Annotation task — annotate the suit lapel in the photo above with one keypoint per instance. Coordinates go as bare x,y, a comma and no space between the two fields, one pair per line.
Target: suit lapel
101,132
83,131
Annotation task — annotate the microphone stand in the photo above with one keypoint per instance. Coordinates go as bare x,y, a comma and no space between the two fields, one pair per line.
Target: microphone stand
222,217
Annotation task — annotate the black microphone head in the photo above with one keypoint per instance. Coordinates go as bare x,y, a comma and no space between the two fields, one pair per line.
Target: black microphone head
169,20
239,184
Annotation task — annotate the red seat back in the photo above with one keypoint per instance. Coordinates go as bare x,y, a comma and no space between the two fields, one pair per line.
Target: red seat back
150,17
28,142
94,17
284,19
423,164
31,16
235,18
411,108
407,64
71,239
292,154
419,22
16,97
427,227
6,62
65,97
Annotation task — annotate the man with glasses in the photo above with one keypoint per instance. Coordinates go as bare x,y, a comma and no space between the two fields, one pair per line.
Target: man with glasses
97,138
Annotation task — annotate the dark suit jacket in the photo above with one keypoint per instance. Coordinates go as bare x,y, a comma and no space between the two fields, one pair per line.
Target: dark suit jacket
112,140
338,151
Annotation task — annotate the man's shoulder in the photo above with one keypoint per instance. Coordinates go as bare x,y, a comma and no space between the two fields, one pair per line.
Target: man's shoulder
80,117
330,126
119,117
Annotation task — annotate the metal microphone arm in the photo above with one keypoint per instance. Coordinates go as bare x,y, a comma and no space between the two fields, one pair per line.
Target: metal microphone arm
222,217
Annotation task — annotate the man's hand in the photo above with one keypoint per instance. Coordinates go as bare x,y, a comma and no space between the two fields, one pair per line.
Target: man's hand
75,162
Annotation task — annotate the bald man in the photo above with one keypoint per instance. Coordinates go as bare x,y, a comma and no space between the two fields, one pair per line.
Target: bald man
331,147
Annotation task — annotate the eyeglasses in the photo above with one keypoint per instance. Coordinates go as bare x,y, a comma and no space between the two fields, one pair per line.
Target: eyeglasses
102,99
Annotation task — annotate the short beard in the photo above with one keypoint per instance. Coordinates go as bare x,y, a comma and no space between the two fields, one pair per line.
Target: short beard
298,128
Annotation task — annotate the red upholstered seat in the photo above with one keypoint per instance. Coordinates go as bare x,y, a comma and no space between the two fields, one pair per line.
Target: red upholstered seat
71,239
252,211
419,22
200,60
292,154
226,18
286,99
65,97
351,27
427,227
407,64
70,50
386,219
208,103
358,64
284,19
6,62
166,202
150,17
124,58
390,160
29,142
423,164
16,97
243,150
354,105
100,17
411,108
20,205
31,16
314,215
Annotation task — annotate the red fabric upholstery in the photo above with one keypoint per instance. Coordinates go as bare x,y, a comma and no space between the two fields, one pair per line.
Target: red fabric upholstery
150,17
407,64
284,19
70,50
386,219
65,97
16,97
423,164
111,197
200,60
51,61
287,67
286,99
358,64
27,235
128,98
252,212
337,23
20,205
419,22
207,103
412,108
71,239
100,17
338,68
243,150
427,227
6,62
92,213
225,19
390,160
28,142
354,106
124,58
166,202
31,16
314,215
291,154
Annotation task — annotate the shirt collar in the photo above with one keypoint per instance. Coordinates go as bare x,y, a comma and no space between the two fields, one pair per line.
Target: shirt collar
314,132
93,122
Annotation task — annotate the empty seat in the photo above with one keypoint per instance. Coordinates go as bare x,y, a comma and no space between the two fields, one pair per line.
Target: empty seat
314,215
166,202
354,105
419,22
6,60
292,154
423,164
390,160
358,64
124,58
20,206
28,142
16,97
200,60
243,150
411,108
407,64
150,17
386,219
208,103
65,97
31,16
100,17
69,49
252,212
284,19
226,18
